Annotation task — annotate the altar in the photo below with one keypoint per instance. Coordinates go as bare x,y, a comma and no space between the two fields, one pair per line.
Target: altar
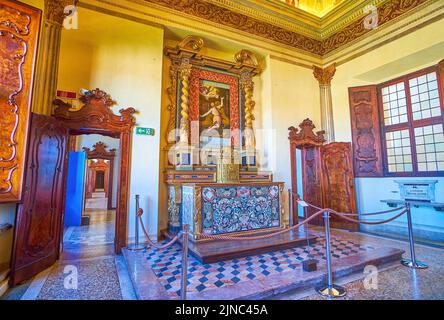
212,173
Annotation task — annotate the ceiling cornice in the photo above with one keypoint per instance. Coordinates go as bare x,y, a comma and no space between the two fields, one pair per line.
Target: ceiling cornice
229,17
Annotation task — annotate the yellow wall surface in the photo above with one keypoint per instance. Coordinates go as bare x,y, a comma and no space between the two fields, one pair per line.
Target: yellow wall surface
123,58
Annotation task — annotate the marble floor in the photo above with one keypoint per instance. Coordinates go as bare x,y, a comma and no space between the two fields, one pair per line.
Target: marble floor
88,269
103,276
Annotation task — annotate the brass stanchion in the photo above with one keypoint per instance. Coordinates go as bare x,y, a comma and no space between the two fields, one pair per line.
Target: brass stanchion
184,283
412,263
330,290
290,206
136,246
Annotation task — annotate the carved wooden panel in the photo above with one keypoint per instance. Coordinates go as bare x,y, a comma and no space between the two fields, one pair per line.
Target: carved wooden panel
19,29
365,125
312,180
338,190
39,217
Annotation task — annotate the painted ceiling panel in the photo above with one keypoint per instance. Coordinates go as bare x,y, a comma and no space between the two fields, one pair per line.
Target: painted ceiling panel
316,7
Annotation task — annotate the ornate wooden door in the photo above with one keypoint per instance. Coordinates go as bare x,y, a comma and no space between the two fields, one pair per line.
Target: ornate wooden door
19,29
312,181
39,218
338,182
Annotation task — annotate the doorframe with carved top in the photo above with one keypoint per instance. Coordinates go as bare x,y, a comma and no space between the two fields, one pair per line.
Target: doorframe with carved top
96,117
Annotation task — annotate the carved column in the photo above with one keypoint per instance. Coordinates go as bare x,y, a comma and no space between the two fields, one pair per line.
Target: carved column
185,72
247,86
45,87
324,77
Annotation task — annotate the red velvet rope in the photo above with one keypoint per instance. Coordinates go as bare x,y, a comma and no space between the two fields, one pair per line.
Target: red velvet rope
169,244
233,238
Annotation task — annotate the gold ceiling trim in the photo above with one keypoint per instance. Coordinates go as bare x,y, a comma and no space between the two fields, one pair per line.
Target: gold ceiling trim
225,16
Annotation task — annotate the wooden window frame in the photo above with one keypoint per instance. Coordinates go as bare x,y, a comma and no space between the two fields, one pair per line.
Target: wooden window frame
410,124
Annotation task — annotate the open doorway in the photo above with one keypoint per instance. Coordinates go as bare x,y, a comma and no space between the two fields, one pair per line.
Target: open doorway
91,194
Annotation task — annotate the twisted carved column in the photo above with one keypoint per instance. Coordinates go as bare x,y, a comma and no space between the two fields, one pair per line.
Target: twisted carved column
324,77
247,85
185,72
45,84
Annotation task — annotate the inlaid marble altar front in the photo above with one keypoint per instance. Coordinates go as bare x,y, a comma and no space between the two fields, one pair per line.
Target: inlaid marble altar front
216,209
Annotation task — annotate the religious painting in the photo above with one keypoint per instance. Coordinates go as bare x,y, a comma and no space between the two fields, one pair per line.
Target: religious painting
214,108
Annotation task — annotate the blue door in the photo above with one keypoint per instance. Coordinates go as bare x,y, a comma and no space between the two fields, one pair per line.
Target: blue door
75,186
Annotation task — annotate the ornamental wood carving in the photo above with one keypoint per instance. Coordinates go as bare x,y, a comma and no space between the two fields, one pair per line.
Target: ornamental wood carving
54,10
100,151
338,188
367,156
305,134
19,30
97,117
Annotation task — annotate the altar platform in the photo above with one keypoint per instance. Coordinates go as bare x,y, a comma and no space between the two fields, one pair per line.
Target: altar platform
220,250
156,273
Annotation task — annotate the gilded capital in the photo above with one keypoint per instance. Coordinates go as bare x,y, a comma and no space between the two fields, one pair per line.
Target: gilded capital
185,69
54,10
324,76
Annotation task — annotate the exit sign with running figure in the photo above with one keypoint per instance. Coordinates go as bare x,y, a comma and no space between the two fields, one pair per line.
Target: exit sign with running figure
145,131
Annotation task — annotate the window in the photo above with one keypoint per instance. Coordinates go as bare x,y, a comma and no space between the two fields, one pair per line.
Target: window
411,111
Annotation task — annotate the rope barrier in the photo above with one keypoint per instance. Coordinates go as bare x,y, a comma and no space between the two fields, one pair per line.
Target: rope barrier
367,222
270,235
151,243
347,213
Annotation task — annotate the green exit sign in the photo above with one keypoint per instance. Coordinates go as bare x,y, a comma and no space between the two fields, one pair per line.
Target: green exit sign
145,131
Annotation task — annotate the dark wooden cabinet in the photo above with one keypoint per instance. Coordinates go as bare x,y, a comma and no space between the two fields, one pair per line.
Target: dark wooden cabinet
19,30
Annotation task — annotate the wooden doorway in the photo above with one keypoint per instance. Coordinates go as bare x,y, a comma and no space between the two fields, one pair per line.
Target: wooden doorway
96,117
100,152
37,235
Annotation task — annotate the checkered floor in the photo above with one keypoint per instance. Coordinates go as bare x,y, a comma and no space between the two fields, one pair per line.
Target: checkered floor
166,264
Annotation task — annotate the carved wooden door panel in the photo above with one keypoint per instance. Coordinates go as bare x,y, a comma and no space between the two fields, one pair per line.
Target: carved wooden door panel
19,29
39,217
338,189
312,181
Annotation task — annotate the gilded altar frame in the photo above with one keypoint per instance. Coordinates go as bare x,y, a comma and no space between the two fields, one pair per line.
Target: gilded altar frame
188,65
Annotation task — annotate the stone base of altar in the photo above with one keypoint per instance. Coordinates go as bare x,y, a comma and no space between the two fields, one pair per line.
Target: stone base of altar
220,250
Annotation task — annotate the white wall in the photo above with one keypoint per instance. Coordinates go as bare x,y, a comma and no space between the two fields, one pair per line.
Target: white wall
407,54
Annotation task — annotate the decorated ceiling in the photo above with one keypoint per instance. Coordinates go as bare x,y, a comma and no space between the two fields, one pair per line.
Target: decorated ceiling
316,7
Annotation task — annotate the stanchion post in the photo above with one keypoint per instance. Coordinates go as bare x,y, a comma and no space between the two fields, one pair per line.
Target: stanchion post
136,246
184,283
330,290
290,206
412,263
